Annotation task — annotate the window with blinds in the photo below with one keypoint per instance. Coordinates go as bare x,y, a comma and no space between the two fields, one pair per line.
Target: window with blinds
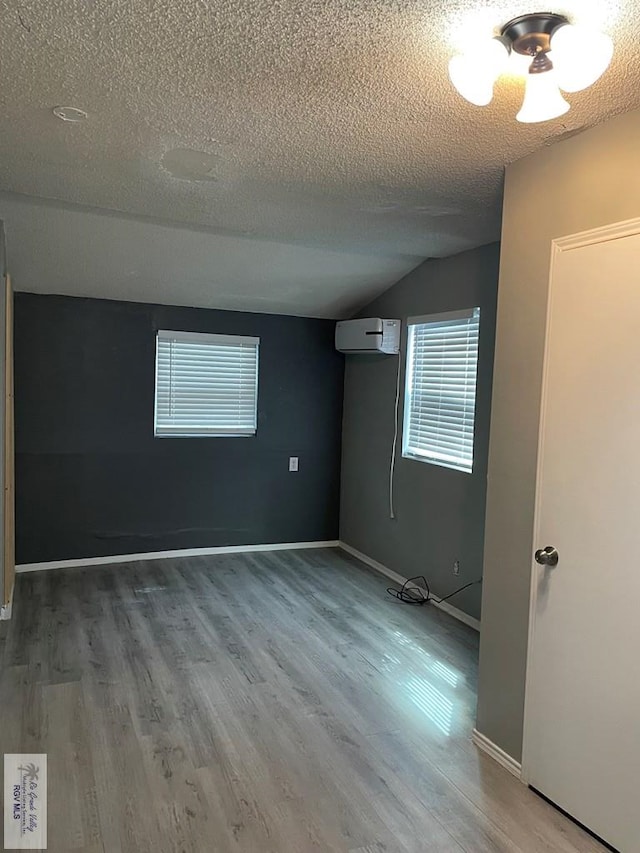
440,388
206,384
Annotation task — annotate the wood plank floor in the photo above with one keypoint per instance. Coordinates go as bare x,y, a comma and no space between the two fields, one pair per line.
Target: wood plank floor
256,702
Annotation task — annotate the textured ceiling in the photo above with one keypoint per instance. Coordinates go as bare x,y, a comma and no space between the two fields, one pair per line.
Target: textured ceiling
81,252
326,124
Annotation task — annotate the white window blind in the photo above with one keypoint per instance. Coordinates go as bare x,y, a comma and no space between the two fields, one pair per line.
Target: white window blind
440,388
206,384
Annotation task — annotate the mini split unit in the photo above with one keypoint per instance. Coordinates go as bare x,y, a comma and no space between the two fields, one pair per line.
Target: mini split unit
370,335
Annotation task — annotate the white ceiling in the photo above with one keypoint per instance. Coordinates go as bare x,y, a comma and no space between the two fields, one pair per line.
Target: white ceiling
302,155
81,252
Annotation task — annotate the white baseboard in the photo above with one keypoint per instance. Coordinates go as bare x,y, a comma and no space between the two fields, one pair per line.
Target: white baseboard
6,609
499,755
167,555
394,576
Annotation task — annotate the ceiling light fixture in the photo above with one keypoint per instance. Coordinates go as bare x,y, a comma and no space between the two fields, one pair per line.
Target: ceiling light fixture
562,56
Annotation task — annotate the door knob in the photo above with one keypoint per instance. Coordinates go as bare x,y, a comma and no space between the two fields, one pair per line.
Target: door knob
547,556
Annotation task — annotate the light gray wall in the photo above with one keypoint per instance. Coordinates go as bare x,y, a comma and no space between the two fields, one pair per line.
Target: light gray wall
440,512
582,183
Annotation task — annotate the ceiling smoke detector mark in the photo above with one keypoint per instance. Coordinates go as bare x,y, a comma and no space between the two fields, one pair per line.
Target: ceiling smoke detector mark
71,114
188,165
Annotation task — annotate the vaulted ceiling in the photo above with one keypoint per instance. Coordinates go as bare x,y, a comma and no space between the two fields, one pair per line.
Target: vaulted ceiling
301,131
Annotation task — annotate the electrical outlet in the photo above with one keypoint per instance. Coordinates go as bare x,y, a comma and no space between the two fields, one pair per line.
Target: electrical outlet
293,463
456,567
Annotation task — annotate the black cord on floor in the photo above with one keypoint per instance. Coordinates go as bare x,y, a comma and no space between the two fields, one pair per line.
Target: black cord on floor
414,593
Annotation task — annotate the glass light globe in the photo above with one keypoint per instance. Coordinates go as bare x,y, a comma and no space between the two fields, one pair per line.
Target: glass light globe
542,99
580,56
474,87
475,72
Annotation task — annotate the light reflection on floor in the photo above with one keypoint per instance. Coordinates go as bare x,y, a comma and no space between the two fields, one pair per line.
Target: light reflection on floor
445,672
423,680
435,705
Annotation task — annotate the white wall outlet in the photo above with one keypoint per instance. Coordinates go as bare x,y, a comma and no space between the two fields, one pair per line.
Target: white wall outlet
456,567
293,463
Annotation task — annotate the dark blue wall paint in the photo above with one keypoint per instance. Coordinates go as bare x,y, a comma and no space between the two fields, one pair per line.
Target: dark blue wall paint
91,479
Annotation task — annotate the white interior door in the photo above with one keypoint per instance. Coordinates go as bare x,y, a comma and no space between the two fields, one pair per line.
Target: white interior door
582,722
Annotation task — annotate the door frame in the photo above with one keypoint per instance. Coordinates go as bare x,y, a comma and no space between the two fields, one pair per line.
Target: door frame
9,520
602,234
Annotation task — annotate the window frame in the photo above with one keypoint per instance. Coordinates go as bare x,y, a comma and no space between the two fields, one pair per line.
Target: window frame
213,338
409,452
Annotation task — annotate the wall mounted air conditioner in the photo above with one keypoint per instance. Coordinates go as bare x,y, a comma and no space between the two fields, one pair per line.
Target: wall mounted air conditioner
370,335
